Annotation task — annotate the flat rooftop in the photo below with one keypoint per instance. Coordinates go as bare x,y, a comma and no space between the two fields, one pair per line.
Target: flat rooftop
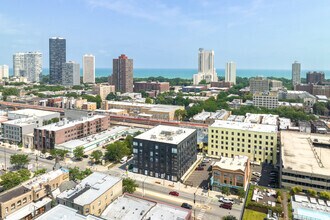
67,124
93,139
244,126
137,208
32,112
12,193
22,121
166,134
236,163
36,181
151,107
61,212
90,188
297,152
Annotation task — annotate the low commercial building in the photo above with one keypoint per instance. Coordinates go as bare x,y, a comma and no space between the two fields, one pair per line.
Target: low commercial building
112,111
14,130
89,106
28,140
193,89
305,160
164,112
231,172
91,142
61,212
210,117
103,90
27,113
46,137
266,119
230,139
165,152
93,194
15,203
156,86
319,126
265,99
137,208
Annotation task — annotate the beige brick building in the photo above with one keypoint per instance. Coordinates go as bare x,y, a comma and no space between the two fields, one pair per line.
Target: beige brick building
103,90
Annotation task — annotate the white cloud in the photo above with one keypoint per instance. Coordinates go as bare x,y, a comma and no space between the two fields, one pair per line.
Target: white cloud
153,11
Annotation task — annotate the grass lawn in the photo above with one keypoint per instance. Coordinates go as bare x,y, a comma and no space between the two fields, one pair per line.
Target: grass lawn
250,214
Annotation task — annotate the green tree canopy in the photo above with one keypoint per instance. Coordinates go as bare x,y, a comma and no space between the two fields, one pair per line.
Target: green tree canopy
129,185
12,179
59,153
19,160
78,152
97,155
75,173
116,151
40,172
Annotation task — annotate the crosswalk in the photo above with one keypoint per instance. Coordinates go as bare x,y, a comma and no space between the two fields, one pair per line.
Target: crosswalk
203,209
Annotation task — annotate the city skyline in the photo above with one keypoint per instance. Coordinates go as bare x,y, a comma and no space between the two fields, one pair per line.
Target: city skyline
255,34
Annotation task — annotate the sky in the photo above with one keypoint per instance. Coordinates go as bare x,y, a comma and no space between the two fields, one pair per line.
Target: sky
256,34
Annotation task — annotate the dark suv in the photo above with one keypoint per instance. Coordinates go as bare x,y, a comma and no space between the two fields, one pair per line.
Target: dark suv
226,205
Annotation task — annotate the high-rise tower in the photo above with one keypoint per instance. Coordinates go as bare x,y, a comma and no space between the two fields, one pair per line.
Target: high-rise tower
206,70
88,68
230,75
296,68
122,76
57,56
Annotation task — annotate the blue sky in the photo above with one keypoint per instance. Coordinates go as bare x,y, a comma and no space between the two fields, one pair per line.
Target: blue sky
256,34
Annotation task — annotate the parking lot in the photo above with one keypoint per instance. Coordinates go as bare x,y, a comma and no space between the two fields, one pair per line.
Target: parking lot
200,177
266,179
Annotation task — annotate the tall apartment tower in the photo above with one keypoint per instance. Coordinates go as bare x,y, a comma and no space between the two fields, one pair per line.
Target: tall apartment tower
122,76
28,65
89,68
18,64
259,84
315,77
70,74
230,75
57,56
4,71
206,70
296,69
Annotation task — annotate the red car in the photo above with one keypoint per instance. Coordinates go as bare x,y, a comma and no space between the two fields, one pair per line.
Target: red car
173,193
226,205
199,168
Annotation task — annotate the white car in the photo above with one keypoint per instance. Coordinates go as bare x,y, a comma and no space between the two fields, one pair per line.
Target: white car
226,200
257,174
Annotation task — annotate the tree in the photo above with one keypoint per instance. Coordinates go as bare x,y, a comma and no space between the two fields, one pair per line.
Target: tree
97,155
129,185
229,217
111,96
78,152
202,82
12,179
295,190
40,172
129,143
75,173
241,193
279,199
311,192
225,190
180,114
325,195
148,100
59,153
19,160
116,151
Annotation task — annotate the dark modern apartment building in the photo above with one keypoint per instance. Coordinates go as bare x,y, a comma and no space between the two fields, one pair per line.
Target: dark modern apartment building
165,152
57,56
122,75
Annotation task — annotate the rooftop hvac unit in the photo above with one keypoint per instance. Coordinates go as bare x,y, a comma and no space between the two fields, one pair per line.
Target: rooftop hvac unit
170,138
153,136
179,131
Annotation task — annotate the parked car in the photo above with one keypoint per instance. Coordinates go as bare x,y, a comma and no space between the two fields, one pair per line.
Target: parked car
173,193
257,174
206,160
199,168
186,206
124,159
203,164
255,179
85,156
226,206
50,158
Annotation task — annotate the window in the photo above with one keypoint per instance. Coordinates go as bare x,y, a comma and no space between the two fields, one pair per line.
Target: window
174,150
156,147
141,145
135,143
135,150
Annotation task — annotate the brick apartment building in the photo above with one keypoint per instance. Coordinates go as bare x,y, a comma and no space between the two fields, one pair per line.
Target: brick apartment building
151,86
46,137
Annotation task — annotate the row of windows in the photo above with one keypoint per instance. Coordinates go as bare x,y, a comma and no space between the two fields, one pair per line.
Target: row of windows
241,134
248,151
306,177
238,149
305,184
235,143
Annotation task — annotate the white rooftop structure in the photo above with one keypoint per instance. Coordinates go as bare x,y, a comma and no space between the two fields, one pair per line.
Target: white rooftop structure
321,97
297,153
202,116
236,163
267,119
61,212
128,207
150,107
244,126
30,113
22,121
166,134
65,123
285,123
37,181
98,184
